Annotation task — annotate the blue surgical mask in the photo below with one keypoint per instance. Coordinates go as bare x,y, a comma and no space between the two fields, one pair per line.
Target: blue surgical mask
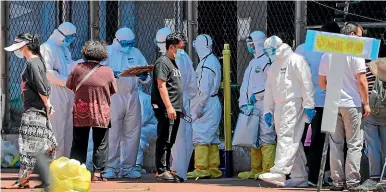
180,53
19,54
251,50
68,40
269,51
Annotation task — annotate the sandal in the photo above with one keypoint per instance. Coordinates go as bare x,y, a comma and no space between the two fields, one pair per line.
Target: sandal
174,173
97,179
19,185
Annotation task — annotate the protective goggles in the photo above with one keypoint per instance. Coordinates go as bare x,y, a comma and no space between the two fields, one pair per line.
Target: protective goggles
269,51
127,43
68,38
156,42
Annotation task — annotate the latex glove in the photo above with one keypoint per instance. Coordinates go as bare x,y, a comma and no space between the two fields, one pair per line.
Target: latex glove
252,99
116,74
310,113
268,119
143,76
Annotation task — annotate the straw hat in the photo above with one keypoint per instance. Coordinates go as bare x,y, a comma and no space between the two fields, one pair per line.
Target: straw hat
378,68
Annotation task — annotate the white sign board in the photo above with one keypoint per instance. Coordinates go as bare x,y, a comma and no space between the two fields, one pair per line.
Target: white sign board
340,46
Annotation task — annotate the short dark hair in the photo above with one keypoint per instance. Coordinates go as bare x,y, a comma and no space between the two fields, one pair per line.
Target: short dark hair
331,27
95,50
33,42
174,39
350,27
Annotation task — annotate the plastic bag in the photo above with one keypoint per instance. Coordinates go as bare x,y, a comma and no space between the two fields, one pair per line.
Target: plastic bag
9,154
247,128
69,176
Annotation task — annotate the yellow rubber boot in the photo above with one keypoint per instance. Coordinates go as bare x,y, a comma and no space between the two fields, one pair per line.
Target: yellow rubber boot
201,162
268,153
256,165
214,161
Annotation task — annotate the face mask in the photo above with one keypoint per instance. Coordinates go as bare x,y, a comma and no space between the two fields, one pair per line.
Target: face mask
19,54
251,50
180,53
68,40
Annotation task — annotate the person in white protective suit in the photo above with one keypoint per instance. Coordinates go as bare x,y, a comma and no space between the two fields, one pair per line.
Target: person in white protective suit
289,101
252,92
206,111
183,148
59,63
125,107
148,128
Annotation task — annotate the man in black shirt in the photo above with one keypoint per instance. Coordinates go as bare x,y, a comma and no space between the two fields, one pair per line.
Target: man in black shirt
166,99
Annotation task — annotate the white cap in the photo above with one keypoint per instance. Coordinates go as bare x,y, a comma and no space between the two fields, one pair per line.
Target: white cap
18,43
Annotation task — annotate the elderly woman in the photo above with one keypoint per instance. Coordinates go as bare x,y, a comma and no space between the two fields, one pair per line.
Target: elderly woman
36,137
93,85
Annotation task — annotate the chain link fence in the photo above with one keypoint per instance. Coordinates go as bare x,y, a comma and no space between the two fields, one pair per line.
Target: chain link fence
225,21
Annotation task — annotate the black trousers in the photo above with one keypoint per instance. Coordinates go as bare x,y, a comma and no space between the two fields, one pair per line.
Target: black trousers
100,138
166,136
315,150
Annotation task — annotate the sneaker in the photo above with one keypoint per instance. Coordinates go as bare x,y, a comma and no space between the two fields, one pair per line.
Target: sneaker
336,188
381,186
165,176
294,183
273,178
368,185
130,173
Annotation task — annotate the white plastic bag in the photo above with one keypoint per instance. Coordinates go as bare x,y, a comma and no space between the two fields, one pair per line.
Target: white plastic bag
9,154
247,128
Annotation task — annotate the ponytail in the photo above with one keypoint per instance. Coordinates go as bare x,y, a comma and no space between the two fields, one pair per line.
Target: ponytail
33,44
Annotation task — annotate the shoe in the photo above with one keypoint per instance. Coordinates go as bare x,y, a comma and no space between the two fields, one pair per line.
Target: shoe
296,183
273,178
139,169
256,165
174,173
214,161
368,185
201,163
381,186
336,188
130,173
20,184
110,173
166,176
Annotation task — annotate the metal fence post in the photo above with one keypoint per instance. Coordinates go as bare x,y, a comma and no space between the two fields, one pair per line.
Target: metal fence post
192,29
94,20
4,81
227,110
300,22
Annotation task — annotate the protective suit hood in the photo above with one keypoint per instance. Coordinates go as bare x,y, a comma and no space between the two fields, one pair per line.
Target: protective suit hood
283,51
258,38
122,34
276,49
160,38
66,28
203,45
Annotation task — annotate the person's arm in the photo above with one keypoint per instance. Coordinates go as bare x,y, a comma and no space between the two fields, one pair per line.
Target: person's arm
163,91
269,104
323,71
359,67
53,76
363,87
243,87
303,73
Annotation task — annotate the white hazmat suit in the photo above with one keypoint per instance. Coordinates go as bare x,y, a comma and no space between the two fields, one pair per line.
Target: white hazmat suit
183,147
125,109
59,63
289,92
148,128
206,111
252,92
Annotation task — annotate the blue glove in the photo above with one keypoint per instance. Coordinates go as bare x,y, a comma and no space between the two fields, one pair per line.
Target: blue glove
310,113
143,76
252,99
116,74
268,119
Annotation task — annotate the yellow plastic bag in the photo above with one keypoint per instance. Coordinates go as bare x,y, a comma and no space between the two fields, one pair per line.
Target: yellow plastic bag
69,176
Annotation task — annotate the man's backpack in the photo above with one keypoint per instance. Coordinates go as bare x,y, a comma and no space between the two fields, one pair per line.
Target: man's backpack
378,100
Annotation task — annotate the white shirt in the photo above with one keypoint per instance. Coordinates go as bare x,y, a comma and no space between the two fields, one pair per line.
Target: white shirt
350,96
313,59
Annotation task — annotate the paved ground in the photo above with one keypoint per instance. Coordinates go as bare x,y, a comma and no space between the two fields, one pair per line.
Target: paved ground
148,183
